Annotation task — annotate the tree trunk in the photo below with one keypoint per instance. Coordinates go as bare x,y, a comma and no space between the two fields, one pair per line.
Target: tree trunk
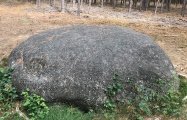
38,3
52,3
146,4
130,5
183,7
168,5
157,6
78,8
81,2
106,2
154,3
62,6
141,1
124,3
135,3
101,3
73,3
162,5
90,2
114,4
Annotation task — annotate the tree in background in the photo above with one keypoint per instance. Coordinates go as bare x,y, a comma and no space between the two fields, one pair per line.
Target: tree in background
62,6
143,4
183,7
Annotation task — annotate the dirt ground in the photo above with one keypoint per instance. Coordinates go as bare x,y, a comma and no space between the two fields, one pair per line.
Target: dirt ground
169,30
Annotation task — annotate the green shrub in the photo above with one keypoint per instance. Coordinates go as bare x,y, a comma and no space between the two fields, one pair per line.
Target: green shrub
34,105
111,91
7,91
146,101
149,101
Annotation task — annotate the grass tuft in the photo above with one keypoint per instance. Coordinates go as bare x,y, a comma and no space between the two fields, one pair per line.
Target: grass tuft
63,112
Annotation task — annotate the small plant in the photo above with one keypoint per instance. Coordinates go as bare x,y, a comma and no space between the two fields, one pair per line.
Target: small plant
34,105
110,116
7,91
111,91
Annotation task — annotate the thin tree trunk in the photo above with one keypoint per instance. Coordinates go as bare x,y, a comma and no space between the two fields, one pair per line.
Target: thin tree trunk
124,3
95,1
90,2
114,4
62,6
78,8
66,3
38,3
183,7
135,3
110,2
154,3
168,5
130,5
146,4
106,2
52,3
141,1
162,5
157,6
101,3
73,3
81,2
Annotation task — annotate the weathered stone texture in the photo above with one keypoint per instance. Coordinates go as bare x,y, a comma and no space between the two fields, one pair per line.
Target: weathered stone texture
75,64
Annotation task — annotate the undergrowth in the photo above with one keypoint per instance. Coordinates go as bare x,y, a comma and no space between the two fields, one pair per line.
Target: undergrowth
7,92
63,112
34,105
146,101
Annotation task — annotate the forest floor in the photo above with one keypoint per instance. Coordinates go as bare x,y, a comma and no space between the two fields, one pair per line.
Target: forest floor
20,21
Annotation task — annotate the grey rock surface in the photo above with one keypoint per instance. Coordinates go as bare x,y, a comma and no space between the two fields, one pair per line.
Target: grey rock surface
75,64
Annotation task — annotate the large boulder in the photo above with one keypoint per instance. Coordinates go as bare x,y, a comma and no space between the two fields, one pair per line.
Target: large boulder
75,64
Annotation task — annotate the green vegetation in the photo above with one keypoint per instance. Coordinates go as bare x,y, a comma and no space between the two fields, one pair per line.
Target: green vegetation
59,112
14,116
34,105
63,112
147,102
7,92
111,91
183,87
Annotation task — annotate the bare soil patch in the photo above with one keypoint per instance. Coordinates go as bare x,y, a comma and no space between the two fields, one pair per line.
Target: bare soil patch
169,30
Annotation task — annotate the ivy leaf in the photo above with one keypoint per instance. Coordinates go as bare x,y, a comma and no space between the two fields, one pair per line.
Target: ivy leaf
26,103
